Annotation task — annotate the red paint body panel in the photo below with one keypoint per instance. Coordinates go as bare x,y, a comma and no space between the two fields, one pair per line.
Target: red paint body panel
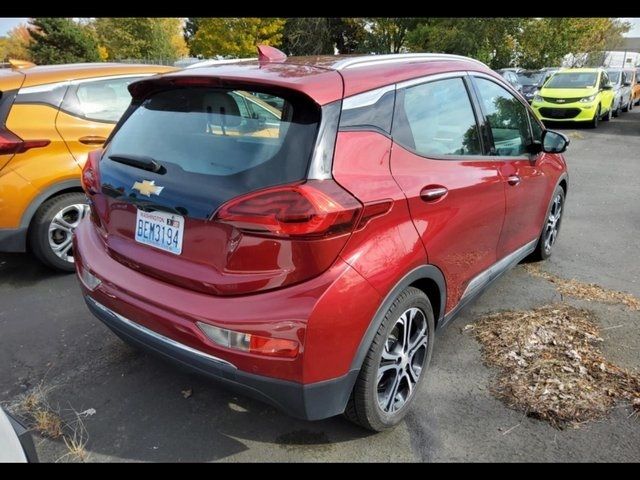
172,311
460,231
388,246
323,86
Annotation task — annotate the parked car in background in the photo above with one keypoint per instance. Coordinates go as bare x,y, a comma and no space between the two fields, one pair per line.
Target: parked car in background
50,118
532,81
510,75
635,88
576,95
621,81
311,268
16,444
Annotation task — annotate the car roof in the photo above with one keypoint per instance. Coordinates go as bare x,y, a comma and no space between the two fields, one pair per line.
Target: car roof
581,70
44,74
324,78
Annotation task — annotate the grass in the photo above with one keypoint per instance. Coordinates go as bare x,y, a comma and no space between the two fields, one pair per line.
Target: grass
34,409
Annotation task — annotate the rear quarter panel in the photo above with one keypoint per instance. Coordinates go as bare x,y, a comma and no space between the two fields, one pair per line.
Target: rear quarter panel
31,172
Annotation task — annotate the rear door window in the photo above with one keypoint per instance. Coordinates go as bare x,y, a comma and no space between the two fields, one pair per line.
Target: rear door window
436,119
102,100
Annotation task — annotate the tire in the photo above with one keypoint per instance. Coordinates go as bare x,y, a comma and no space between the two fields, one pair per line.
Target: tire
400,368
67,210
596,118
543,251
627,107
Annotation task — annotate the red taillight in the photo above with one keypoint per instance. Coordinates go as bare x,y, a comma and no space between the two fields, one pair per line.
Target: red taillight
270,346
318,208
11,143
90,178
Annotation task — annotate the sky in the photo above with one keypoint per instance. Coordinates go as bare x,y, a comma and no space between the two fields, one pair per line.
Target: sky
7,24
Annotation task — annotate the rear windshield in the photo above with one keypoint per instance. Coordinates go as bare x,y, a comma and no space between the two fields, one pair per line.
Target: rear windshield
244,139
573,80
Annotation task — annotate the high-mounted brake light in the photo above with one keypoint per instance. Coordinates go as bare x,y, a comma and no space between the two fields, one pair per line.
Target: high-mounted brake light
318,208
11,143
90,178
274,347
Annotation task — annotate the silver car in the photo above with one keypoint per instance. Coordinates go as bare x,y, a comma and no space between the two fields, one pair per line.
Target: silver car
620,80
16,445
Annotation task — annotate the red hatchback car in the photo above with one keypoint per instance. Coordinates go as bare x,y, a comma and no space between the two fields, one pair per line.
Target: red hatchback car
298,228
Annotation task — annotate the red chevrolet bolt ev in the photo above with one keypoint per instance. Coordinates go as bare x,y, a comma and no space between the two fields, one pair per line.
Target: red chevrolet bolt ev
299,228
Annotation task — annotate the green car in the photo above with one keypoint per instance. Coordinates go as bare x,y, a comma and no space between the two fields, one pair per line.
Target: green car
575,95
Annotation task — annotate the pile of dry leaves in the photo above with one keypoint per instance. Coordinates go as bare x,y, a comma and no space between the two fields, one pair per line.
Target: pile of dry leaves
585,291
551,366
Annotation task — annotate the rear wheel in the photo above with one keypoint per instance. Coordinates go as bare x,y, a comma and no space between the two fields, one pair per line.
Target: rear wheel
551,227
395,365
52,227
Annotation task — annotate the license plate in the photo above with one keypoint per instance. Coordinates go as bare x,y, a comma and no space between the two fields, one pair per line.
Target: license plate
161,230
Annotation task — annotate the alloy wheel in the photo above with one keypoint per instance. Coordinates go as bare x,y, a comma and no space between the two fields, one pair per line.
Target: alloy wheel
62,227
402,361
553,223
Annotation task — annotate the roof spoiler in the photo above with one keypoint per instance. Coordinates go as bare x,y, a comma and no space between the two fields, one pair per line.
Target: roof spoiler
267,54
20,64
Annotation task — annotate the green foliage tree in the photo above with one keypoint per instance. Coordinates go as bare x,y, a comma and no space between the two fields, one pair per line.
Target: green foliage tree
61,40
386,35
307,36
235,37
141,38
491,40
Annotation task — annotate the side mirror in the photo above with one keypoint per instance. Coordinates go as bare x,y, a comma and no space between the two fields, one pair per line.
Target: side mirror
608,86
627,84
554,142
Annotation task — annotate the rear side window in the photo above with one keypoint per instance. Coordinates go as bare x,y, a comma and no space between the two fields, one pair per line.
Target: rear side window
507,118
103,100
232,140
436,119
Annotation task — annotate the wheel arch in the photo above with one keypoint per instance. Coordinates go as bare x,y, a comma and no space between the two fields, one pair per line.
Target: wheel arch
427,278
57,189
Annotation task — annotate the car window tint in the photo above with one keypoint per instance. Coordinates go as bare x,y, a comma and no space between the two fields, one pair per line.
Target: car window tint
102,100
436,119
507,118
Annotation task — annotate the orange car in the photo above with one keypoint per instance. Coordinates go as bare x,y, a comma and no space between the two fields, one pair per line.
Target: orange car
50,118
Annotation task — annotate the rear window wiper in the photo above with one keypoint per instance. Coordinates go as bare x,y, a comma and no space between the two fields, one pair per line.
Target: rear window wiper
139,161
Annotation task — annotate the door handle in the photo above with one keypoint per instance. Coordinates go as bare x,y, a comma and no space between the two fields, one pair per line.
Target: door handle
513,180
433,192
92,140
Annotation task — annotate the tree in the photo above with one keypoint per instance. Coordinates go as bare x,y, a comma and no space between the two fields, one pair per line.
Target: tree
61,40
141,38
386,35
348,34
235,37
491,40
16,44
546,41
307,36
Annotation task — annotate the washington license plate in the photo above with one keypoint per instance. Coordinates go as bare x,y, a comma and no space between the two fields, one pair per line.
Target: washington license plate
161,230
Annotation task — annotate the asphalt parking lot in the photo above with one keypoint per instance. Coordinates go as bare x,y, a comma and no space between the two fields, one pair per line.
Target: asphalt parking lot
47,336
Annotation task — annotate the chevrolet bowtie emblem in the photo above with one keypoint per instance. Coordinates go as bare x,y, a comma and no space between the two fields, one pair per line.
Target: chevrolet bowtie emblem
147,188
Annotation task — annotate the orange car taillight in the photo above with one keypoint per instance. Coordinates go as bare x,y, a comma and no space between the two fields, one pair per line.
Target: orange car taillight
273,347
11,143
90,178
316,209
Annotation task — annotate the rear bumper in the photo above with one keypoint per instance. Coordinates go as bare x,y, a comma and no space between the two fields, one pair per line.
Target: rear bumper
13,239
310,402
